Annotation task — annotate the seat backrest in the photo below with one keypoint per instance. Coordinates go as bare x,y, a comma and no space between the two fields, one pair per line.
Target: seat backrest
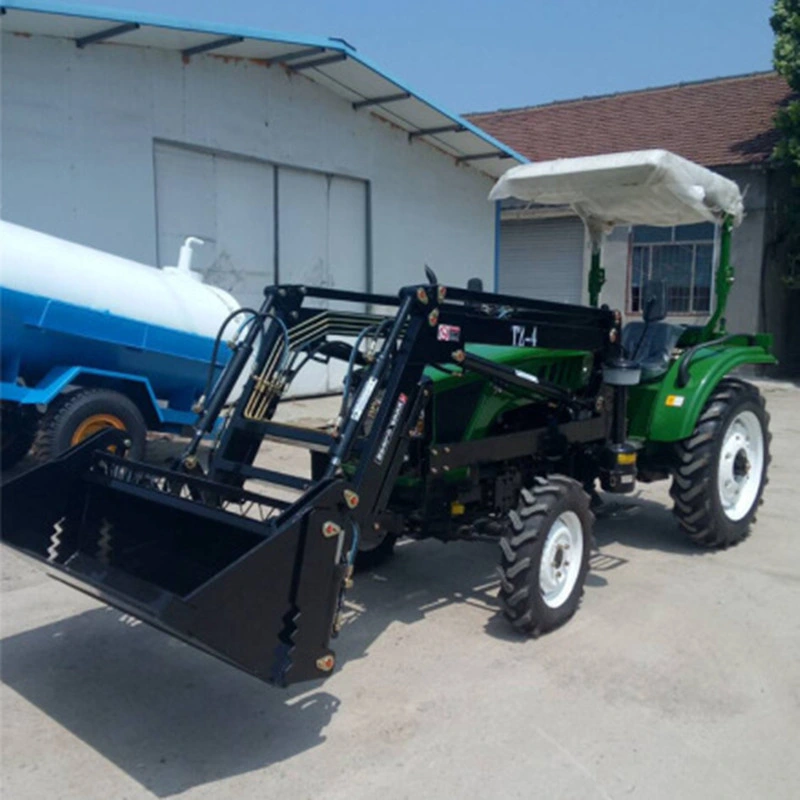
651,353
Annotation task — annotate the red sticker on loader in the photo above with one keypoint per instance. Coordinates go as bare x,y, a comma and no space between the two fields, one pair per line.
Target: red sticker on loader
448,333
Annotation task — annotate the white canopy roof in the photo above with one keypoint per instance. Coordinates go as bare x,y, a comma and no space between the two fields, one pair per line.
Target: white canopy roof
645,187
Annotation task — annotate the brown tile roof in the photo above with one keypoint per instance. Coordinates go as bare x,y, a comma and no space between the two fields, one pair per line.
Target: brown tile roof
715,122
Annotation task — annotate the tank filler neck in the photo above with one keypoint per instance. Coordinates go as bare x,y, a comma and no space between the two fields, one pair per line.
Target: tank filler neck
186,253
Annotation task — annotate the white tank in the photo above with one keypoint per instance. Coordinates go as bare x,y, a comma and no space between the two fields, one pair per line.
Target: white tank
173,297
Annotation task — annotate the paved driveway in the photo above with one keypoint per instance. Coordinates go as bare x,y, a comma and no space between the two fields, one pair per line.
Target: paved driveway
678,678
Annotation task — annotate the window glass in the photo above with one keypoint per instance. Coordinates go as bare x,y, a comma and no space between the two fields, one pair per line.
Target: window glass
682,257
639,271
644,234
701,232
704,256
672,263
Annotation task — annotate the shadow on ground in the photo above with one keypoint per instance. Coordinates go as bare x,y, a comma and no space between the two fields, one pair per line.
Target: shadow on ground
173,718
167,715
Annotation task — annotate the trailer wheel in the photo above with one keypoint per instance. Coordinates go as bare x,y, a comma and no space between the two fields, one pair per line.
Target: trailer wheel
545,557
722,467
18,425
76,416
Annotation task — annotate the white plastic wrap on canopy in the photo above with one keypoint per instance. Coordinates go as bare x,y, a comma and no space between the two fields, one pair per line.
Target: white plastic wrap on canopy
645,187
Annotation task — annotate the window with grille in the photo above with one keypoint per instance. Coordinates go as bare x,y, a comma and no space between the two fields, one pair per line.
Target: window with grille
682,257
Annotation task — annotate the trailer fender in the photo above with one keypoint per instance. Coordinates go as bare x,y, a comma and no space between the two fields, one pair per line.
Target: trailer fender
136,387
668,411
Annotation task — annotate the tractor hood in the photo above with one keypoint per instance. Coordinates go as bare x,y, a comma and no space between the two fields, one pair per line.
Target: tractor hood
645,187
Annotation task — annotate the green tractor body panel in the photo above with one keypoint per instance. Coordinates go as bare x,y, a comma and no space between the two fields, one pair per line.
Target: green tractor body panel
466,406
569,369
664,411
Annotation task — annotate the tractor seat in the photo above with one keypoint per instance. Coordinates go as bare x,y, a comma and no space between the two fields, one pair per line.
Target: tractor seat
651,354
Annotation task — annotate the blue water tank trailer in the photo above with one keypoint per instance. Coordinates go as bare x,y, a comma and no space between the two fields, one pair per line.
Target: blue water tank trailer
90,340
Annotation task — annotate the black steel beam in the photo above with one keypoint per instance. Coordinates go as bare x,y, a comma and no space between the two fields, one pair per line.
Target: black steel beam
320,62
294,54
108,33
387,98
216,44
434,131
478,156
446,457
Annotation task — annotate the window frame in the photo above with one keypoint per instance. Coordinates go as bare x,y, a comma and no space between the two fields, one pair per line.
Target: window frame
715,241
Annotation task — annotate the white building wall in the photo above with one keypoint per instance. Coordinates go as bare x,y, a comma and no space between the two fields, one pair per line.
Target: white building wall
78,132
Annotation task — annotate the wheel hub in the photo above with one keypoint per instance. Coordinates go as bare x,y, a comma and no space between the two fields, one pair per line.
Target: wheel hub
561,559
741,465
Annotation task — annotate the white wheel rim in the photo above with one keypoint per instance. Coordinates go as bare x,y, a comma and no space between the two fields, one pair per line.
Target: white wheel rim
562,556
741,465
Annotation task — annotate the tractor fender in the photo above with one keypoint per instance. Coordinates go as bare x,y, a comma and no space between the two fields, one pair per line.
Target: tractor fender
676,408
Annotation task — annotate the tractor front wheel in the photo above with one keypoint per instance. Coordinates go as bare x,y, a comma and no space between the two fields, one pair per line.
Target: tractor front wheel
722,467
369,556
545,557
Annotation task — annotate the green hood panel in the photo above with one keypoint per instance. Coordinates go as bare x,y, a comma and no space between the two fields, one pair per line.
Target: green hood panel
564,367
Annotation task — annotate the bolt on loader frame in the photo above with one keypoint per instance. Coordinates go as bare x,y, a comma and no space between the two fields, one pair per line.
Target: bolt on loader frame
255,578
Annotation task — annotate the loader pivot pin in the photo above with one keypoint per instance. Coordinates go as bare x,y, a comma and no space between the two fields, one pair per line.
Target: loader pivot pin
326,663
433,317
422,296
351,498
330,529
441,293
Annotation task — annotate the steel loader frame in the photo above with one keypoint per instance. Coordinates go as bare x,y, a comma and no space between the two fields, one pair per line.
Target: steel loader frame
257,579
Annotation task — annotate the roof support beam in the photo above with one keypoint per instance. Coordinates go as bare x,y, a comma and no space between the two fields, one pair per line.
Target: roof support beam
320,62
478,156
379,101
306,51
108,33
434,131
216,44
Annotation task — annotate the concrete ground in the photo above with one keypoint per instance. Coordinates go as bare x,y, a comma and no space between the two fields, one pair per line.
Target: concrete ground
678,678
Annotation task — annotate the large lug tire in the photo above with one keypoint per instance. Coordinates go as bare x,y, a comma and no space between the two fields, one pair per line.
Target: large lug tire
76,416
722,467
369,557
545,557
18,426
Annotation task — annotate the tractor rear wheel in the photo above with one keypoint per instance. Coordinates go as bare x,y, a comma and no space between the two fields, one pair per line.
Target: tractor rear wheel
722,467
72,418
545,557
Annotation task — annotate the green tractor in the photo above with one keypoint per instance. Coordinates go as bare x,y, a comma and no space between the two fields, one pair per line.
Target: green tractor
465,415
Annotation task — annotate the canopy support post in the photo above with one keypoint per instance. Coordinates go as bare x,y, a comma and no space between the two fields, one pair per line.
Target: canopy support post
723,281
597,276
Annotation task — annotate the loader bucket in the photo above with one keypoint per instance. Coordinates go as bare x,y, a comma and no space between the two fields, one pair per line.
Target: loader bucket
251,583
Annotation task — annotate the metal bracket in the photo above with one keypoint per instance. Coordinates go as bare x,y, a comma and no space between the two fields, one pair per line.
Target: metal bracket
108,33
320,62
387,98
216,44
478,156
434,131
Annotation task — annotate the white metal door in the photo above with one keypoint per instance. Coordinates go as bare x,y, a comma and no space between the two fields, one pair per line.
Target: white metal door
542,259
322,235
226,201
